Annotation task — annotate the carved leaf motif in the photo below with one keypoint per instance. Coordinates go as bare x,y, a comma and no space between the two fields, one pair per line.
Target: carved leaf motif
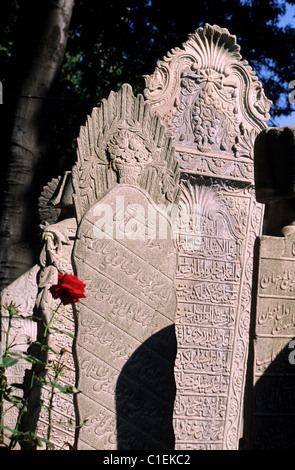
210,100
208,48
122,141
244,143
48,213
207,112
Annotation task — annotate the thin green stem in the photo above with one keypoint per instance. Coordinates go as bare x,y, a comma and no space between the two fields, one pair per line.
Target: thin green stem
34,379
3,382
3,378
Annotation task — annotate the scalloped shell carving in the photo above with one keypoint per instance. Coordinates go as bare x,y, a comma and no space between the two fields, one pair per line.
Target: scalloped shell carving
210,101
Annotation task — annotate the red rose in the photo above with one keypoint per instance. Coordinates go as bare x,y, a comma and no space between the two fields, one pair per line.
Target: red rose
69,289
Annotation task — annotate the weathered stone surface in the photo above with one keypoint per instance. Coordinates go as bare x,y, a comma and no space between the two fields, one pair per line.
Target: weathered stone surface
214,282
55,257
273,373
213,107
130,298
273,363
125,156
211,103
125,183
22,293
205,101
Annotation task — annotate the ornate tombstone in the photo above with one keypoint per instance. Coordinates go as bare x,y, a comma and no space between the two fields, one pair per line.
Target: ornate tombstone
273,368
125,183
30,293
55,257
213,107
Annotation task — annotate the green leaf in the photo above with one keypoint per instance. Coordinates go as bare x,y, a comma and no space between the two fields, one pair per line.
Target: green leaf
27,436
16,355
42,347
62,332
32,359
65,388
6,361
15,400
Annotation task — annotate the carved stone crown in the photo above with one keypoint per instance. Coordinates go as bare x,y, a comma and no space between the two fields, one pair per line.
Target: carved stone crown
123,142
210,101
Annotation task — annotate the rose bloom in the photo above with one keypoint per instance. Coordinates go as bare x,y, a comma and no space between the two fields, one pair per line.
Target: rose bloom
69,289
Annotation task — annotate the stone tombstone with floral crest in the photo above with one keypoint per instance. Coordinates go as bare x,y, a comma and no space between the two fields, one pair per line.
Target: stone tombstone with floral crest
125,186
108,221
213,107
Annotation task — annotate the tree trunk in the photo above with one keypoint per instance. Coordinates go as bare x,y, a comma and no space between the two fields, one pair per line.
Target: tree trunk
42,38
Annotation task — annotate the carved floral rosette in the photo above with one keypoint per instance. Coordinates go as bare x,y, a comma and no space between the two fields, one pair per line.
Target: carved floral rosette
212,104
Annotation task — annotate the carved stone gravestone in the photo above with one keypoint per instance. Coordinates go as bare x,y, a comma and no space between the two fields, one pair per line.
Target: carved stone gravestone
125,182
273,366
30,293
213,107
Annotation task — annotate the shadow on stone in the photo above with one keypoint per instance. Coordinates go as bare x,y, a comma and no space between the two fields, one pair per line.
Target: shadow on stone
274,405
145,395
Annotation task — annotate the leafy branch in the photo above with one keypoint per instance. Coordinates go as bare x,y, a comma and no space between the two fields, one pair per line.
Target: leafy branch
9,393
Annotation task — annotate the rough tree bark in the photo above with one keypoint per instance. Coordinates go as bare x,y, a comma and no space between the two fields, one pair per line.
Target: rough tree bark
42,39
